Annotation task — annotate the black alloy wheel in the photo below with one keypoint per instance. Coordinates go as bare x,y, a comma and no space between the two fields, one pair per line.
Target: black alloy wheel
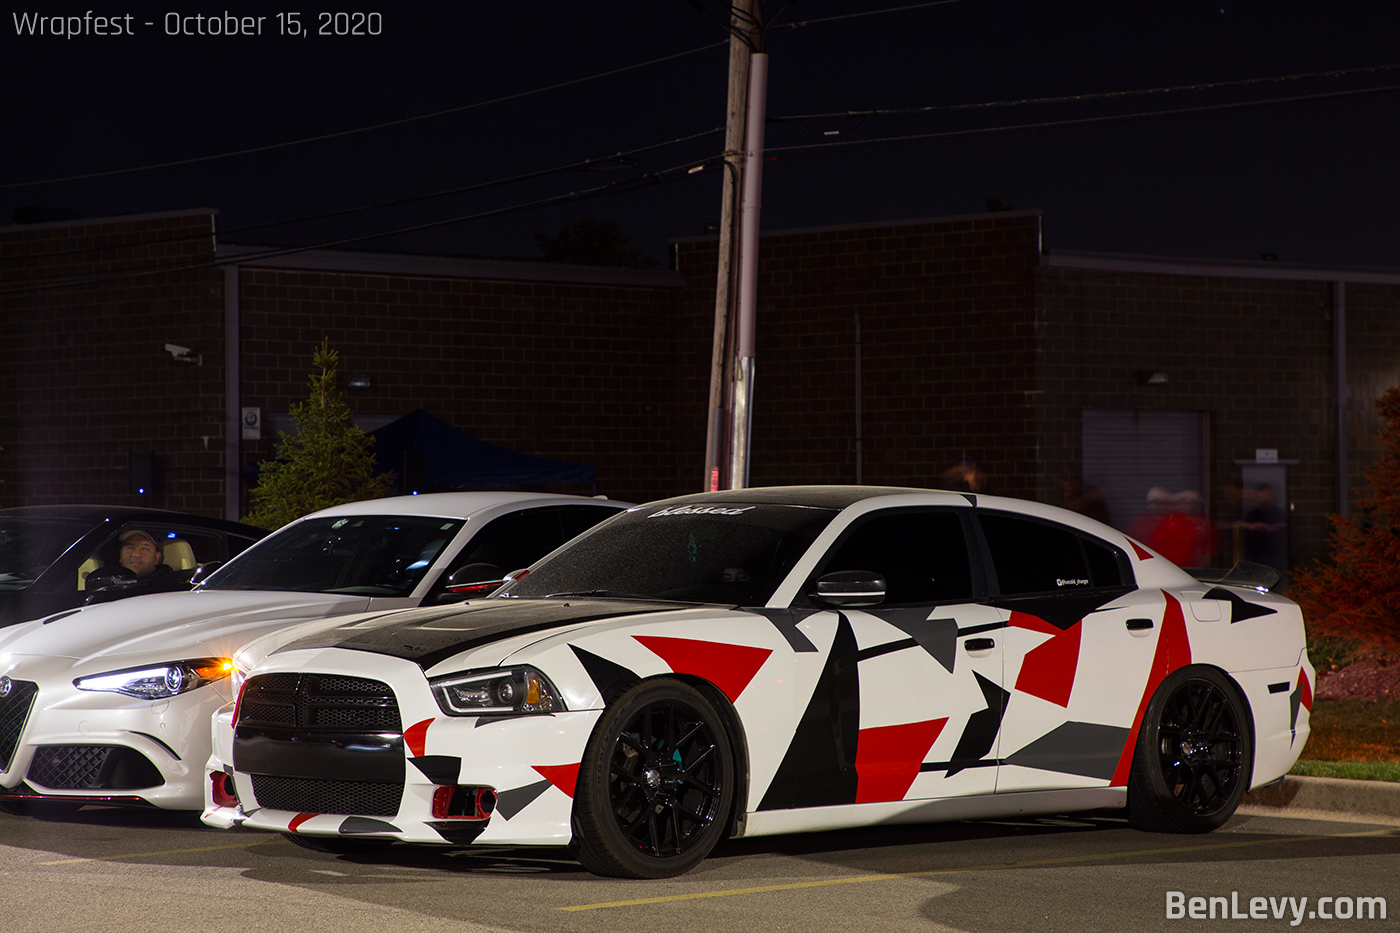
656,786
1194,756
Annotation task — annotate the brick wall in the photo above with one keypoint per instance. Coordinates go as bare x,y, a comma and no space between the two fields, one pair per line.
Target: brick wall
1256,355
566,371
973,345
84,376
947,335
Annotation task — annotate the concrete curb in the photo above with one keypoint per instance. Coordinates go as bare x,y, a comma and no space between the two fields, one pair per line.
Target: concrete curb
1328,795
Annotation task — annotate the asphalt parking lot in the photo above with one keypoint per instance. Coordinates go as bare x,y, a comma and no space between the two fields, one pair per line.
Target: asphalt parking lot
108,868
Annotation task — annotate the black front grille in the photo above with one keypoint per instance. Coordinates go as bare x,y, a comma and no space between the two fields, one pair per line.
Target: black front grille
92,767
14,710
308,795
319,701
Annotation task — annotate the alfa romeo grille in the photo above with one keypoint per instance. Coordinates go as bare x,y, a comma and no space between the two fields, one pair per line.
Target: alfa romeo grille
306,795
92,767
14,710
328,702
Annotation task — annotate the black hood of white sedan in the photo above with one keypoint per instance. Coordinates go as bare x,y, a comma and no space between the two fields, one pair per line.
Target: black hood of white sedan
429,636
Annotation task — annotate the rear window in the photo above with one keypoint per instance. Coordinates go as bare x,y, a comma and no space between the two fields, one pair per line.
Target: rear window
1031,556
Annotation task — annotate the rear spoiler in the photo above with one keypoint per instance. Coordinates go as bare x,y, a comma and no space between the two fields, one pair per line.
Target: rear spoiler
1246,573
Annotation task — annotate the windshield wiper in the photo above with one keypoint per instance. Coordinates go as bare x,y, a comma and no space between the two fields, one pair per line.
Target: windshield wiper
601,594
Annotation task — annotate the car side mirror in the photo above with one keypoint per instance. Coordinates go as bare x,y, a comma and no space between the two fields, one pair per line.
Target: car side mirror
849,589
203,571
475,579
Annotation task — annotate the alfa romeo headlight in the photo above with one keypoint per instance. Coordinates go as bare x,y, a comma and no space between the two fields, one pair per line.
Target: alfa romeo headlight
502,691
158,681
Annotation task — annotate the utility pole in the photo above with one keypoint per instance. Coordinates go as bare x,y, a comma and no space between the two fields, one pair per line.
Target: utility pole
728,431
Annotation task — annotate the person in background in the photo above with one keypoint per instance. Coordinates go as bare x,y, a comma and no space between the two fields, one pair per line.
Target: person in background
141,570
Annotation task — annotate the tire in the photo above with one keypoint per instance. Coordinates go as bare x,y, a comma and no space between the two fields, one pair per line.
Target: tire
1194,755
656,785
337,845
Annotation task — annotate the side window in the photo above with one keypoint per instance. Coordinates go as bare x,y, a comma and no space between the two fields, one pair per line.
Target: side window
519,539
576,519
1031,556
922,556
182,549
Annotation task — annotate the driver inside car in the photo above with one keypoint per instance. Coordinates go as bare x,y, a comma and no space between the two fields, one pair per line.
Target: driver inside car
141,570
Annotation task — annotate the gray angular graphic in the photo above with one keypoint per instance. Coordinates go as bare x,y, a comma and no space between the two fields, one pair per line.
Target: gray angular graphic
1083,748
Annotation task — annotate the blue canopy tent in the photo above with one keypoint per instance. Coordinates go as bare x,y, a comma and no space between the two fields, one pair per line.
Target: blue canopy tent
428,453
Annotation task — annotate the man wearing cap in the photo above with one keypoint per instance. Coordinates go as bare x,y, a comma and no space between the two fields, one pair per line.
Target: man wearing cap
141,570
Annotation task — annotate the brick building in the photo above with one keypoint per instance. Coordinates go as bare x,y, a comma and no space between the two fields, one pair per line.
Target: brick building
887,353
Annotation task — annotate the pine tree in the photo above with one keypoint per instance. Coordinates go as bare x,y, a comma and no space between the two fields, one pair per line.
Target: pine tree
1356,598
327,462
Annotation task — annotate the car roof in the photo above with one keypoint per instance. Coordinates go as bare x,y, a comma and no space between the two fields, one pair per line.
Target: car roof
455,504
831,497
124,513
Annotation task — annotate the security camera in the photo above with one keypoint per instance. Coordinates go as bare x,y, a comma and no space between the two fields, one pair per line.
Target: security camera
184,354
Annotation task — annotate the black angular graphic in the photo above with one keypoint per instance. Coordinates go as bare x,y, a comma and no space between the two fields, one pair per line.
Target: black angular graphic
1240,608
1084,748
360,825
510,802
440,769
982,727
1061,611
459,832
1295,702
819,768
939,637
610,678
785,621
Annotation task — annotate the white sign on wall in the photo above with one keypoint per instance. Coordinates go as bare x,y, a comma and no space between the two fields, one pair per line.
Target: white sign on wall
252,424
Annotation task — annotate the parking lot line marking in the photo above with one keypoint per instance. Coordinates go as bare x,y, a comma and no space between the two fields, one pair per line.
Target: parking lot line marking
114,858
994,866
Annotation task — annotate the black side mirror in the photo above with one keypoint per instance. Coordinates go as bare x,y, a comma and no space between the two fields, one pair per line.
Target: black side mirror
849,589
474,580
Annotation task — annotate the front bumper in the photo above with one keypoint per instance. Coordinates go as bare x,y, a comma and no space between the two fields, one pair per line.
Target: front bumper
528,765
108,748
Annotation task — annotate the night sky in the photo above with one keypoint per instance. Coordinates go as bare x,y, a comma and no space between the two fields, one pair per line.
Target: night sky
1311,180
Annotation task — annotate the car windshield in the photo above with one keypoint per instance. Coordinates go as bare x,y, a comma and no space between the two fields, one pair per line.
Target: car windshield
364,555
712,553
28,546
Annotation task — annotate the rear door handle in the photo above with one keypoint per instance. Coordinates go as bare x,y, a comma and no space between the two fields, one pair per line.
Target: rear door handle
1139,625
979,644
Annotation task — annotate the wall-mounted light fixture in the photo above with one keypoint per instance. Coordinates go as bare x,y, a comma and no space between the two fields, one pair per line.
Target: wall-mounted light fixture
360,381
1152,377
184,354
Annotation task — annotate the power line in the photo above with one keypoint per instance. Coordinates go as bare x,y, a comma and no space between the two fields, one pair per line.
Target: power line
622,187
1082,121
894,9
1080,98
363,129
582,165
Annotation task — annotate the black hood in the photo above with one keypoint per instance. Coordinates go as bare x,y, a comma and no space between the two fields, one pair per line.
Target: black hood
429,636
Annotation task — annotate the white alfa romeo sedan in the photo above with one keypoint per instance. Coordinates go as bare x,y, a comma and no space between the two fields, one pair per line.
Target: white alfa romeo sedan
770,661
111,703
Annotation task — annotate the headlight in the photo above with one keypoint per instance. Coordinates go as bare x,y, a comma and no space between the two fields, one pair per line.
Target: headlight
158,681
509,690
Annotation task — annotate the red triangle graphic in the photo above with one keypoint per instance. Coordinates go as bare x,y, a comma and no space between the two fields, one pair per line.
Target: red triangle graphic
564,777
1048,670
729,667
888,758
416,737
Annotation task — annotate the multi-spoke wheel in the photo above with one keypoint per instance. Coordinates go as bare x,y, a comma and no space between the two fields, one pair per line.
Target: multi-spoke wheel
1194,755
656,785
